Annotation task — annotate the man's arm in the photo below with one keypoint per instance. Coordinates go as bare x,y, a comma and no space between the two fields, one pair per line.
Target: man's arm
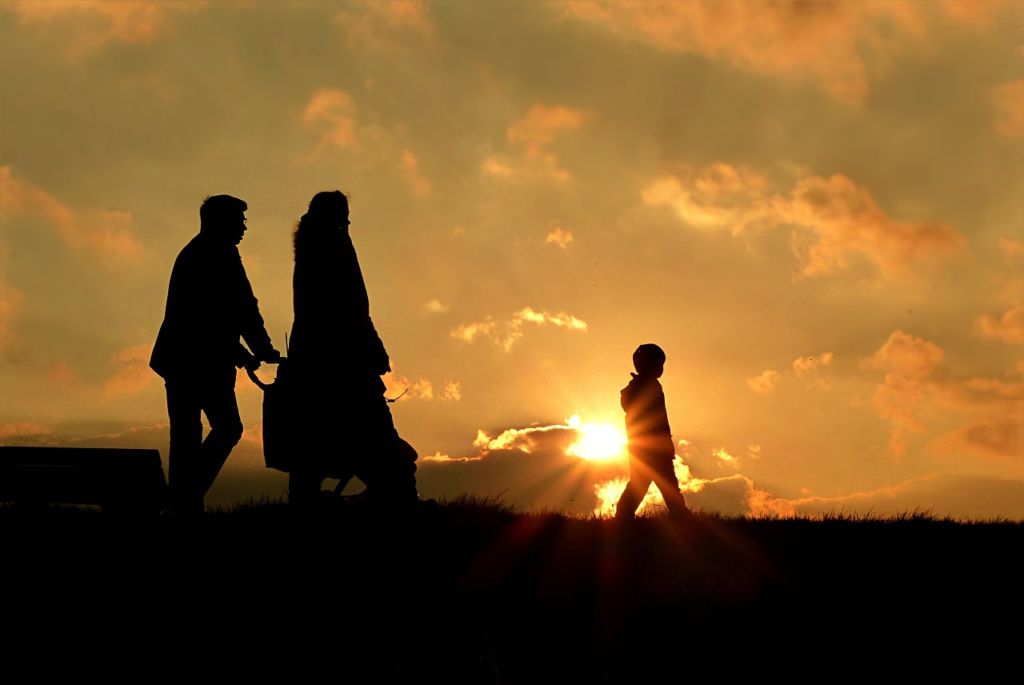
244,359
252,328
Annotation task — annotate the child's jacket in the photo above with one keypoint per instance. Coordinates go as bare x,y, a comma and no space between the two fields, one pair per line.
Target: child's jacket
646,419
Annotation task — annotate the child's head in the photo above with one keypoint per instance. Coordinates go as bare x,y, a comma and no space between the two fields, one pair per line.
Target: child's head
649,360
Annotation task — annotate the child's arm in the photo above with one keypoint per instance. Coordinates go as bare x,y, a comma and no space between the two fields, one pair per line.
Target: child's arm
626,396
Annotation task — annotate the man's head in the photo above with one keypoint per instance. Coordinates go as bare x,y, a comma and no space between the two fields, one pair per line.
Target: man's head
649,360
223,216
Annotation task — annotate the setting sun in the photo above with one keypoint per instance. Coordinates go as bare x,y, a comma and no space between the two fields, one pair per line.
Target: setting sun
596,441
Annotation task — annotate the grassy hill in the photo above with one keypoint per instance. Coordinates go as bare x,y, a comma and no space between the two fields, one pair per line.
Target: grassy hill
476,592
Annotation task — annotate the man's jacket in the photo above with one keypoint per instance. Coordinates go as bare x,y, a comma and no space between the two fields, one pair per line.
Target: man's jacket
210,305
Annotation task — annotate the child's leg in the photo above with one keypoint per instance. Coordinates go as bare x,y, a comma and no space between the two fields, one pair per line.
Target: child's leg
640,477
665,479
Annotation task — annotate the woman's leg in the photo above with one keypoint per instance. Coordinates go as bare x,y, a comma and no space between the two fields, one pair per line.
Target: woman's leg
303,487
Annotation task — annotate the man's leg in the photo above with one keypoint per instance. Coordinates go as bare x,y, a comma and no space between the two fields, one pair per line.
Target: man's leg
221,409
636,489
183,410
303,486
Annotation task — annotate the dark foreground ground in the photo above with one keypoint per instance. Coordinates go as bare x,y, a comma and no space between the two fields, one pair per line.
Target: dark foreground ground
475,593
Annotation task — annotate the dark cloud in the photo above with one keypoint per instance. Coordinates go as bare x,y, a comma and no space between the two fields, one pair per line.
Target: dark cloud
531,470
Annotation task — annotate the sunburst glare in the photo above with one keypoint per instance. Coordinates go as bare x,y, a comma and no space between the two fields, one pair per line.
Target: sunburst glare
596,441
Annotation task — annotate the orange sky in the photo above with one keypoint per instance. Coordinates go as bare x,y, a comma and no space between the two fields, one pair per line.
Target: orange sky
814,208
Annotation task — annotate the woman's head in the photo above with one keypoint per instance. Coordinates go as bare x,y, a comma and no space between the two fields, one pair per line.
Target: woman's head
327,210
329,207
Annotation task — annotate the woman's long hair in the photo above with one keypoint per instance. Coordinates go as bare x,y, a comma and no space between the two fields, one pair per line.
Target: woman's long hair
323,211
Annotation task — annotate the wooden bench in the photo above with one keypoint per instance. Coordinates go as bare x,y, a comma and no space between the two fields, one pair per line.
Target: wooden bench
118,480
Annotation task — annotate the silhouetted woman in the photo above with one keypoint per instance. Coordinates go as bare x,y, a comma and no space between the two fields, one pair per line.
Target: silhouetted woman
336,360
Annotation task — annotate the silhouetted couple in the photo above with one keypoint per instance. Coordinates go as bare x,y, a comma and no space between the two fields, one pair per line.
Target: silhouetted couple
335,360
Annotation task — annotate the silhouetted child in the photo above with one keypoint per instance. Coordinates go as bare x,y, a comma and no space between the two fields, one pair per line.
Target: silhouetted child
651,449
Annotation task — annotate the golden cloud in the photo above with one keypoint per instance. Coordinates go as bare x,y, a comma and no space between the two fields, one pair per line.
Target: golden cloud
452,391
521,439
1009,327
907,361
1013,248
445,458
832,219
840,46
906,355
845,220
109,234
544,166
419,185
897,400
532,136
385,25
720,196
917,396
421,388
802,367
434,306
95,23
723,456
508,332
766,383
560,237
542,124
331,112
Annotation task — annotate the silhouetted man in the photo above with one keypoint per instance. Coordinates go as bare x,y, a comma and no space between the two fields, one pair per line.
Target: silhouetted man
210,305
